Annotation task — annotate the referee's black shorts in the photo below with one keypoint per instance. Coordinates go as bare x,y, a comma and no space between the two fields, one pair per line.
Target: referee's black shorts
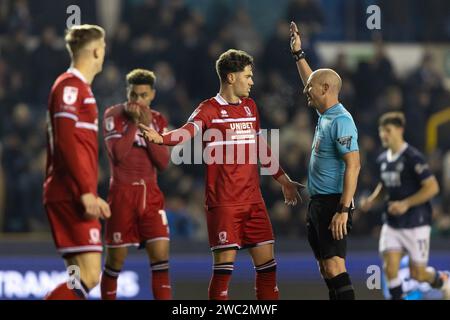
321,210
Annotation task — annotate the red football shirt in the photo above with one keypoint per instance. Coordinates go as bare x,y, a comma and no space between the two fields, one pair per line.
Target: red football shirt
131,158
72,146
230,142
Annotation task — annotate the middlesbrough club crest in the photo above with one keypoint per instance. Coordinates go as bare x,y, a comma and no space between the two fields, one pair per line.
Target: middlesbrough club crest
70,95
223,237
94,236
117,237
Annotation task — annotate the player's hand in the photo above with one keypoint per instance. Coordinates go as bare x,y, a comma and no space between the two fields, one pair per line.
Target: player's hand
145,115
105,211
365,205
338,225
91,207
290,190
397,208
296,42
150,135
133,111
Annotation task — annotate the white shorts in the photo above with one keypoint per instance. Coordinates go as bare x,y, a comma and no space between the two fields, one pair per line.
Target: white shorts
415,242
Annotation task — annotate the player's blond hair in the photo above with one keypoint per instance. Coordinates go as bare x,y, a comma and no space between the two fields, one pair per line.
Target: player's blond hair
77,37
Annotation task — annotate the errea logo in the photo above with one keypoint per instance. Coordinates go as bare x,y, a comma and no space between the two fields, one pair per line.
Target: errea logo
224,113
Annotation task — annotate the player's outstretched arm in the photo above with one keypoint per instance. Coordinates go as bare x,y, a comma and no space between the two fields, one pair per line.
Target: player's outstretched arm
170,138
296,47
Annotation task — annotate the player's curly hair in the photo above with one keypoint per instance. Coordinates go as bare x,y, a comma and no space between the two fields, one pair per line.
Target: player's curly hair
141,76
79,36
395,118
232,61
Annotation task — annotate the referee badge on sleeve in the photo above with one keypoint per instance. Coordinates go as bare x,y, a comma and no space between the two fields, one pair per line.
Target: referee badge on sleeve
345,141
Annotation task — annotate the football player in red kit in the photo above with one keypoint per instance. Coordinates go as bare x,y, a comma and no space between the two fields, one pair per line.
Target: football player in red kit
70,188
235,210
137,203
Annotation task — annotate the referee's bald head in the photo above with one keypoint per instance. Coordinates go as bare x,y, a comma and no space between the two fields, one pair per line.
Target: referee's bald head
328,77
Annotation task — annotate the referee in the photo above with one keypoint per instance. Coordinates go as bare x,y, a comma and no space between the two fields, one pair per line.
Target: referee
332,173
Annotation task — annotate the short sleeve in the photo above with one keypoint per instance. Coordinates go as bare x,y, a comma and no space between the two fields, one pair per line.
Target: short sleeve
344,135
420,166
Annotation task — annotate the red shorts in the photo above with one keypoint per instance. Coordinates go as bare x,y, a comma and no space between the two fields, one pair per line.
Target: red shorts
72,232
137,216
239,226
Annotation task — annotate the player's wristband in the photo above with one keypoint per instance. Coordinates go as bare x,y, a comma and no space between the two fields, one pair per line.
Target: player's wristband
342,209
298,55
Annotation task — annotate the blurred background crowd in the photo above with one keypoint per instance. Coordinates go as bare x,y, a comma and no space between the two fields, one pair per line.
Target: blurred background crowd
180,40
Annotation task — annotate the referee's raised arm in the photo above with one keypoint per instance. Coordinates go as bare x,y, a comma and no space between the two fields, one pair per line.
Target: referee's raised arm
299,55
332,173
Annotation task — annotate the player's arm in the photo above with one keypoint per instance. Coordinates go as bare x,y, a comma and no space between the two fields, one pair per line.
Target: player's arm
375,197
65,126
119,146
428,190
171,138
66,143
159,154
296,46
119,143
345,137
338,225
352,167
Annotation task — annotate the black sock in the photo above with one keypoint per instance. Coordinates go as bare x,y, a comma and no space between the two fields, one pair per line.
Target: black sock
396,292
331,291
343,286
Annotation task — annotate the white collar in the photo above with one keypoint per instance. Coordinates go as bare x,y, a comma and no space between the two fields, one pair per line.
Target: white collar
77,74
222,101
393,157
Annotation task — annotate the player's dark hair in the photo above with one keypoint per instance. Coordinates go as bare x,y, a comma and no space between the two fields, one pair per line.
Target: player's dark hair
77,37
232,61
395,118
141,76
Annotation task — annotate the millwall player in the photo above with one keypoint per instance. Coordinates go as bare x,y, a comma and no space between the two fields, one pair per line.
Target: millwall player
407,186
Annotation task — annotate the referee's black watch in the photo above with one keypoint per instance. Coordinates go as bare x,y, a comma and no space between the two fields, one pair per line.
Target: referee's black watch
342,209
298,55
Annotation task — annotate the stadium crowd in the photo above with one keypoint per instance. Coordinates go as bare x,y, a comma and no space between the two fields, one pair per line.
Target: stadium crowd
181,45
